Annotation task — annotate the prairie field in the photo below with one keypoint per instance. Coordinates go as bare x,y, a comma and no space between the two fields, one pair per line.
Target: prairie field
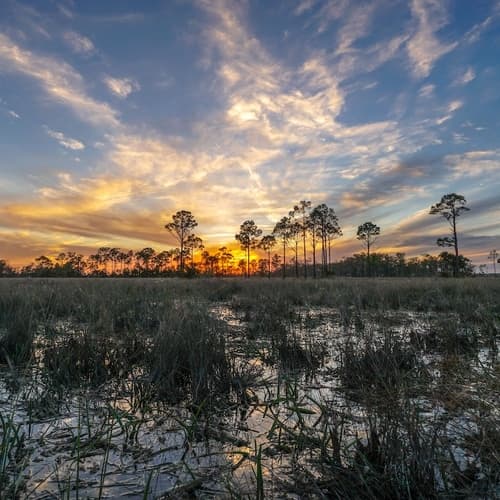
233,388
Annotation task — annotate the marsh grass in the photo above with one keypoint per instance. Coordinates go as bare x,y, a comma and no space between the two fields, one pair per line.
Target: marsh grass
349,388
188,355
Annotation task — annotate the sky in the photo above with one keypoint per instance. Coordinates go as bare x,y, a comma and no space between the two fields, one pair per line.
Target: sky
116,114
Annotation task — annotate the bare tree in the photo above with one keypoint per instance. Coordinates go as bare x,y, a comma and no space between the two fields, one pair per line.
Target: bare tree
450,207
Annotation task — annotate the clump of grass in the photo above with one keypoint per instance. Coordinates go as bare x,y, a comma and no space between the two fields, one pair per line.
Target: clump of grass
17,329
373,369
90,358
13,454
273,324
188,354
448,335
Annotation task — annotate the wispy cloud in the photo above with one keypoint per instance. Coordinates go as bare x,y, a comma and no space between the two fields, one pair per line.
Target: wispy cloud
65,11
60,82
426,90
356,27
474,163
450,109
121,87
65,141
477,31
78,43
465,77
304,6
424,47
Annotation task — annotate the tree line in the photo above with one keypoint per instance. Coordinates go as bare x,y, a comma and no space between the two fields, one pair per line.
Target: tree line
300,244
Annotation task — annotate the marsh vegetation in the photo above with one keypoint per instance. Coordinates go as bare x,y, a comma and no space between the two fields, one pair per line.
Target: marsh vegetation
232,388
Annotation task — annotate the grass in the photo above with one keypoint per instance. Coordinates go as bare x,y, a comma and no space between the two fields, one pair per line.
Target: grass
349,388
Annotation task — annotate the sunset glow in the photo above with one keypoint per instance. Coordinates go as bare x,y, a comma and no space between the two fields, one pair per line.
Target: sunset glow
114,115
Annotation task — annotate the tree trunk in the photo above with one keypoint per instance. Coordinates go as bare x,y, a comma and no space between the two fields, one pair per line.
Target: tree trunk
296,259
455,242
248,262
329,255
314,254
284,259
305,253
368,257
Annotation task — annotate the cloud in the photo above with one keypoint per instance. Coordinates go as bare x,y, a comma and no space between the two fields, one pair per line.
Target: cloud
123,18
65,11
474,163
304,6
454,106
121,87
28,19
64,141
475,33
465,78
356,27
424,47
449,110
427,90
60,82
13,114
329,12
78,43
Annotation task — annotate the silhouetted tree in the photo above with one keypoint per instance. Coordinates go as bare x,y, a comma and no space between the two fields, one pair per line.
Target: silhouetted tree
125,258
161,261
282,231
114,254
367,233
450,265
226,258
493,256
276,261
327,227
267,243
104,257
450,207
301,211
249,238
144,257
193,243
181,227
295,234
5,269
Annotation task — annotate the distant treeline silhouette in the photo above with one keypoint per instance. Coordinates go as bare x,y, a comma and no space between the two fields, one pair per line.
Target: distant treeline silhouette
303,240
222,263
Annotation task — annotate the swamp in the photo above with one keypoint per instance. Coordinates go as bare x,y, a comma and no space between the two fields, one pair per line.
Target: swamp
232,388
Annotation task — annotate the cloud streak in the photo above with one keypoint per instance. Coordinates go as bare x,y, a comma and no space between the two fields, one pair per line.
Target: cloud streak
65,141
424,47
59,81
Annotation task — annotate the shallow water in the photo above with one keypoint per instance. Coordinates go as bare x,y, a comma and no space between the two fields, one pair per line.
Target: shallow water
97,443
